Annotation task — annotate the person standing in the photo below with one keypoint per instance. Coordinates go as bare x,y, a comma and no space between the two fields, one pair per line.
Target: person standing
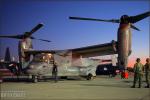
55,72
137,72
147,72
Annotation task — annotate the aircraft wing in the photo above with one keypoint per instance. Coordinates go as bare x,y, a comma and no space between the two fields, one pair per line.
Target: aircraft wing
39,51
96,50
88,51
63,53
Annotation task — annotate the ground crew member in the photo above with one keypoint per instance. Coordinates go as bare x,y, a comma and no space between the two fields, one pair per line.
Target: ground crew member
137,72
147,72
54,72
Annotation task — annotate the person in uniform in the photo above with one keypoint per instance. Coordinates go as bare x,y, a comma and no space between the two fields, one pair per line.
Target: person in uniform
54,72
147,72
137,72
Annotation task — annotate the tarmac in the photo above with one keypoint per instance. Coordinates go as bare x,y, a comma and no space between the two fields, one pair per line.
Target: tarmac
100,88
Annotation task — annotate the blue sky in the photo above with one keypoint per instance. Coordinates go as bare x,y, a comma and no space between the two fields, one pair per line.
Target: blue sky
18,16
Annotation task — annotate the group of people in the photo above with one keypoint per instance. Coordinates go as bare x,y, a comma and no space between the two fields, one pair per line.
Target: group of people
139,70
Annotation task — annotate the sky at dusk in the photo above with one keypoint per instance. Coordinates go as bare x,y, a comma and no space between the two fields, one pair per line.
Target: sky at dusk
19,16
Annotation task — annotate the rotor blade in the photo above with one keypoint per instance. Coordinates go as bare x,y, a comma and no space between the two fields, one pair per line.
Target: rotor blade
132,26
44,40
93,19
12,36
134,19
28,34
40,39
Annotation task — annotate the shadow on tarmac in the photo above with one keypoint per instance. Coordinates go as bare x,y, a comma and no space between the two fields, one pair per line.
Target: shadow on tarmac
128,81
108,85
25,80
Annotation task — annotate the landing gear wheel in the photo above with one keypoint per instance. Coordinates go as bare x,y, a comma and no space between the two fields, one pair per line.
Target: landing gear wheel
34,79
89,77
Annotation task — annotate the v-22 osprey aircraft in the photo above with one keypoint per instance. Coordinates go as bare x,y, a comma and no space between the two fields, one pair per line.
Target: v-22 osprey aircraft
122,46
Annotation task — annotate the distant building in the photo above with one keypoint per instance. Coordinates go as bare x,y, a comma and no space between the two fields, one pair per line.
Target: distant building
7,55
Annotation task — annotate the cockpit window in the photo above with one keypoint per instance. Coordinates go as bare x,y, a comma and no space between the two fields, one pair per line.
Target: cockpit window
43,57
